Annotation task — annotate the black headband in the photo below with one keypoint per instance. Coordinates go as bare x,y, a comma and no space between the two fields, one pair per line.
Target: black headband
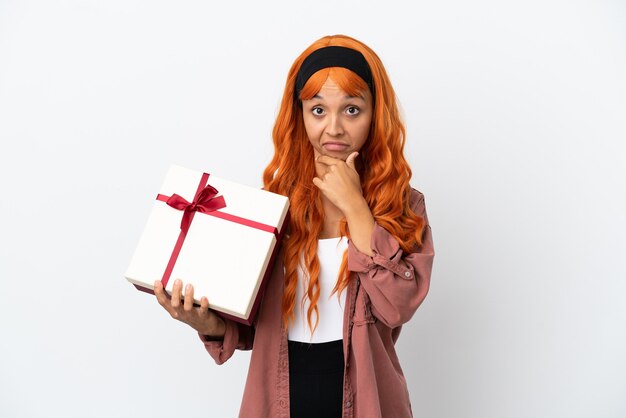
333,56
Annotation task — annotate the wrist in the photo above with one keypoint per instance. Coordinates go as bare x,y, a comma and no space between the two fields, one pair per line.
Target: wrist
218,331
361,224
359,210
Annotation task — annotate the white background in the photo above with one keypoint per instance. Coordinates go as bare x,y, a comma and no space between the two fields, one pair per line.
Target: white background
516,128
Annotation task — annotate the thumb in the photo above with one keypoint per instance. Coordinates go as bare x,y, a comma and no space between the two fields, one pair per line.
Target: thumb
350,160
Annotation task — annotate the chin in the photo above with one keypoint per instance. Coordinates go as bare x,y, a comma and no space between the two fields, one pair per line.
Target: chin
342,155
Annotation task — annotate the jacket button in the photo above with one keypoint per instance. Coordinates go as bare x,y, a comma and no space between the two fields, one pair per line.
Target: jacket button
407,274
348,404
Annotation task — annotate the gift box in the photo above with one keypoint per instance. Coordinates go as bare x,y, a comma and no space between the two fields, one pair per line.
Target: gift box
218,235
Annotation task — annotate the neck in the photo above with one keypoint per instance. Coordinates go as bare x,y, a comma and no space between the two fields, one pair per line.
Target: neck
332,216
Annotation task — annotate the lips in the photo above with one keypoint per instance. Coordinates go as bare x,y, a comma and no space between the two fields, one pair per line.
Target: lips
335,146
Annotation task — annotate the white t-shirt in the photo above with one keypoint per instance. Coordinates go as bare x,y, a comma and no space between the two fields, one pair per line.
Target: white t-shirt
330,326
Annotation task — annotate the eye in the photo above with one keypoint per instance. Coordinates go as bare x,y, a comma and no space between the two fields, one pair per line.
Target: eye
317,111
353,110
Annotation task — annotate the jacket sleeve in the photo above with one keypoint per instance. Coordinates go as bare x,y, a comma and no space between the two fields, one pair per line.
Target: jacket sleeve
396,283
236,337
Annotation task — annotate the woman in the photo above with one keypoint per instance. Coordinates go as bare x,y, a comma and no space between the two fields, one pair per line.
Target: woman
356,260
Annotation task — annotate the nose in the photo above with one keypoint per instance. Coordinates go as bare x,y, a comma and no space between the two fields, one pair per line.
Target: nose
335,126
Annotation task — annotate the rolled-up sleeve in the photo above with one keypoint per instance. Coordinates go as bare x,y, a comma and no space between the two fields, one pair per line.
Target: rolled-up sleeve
395,282
236,337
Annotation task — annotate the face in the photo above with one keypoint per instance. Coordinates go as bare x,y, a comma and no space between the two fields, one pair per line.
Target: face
337,124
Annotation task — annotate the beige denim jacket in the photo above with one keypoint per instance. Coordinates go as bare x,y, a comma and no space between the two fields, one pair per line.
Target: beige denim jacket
384,293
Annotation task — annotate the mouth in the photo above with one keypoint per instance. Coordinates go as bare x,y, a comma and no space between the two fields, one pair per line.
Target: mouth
335,146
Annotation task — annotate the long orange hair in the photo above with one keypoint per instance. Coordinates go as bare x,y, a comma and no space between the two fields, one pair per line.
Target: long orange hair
384,172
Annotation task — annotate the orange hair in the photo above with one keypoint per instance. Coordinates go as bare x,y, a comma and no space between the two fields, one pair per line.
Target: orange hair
385,174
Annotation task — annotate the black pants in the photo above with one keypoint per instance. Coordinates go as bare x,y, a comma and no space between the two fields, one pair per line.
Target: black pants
316,379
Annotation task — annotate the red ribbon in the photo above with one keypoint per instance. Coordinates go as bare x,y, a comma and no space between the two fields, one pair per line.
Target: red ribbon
204,201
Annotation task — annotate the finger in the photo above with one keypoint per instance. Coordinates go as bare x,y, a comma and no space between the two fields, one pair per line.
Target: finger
204,304
326,160
158,291
188,298
350,160
176,290
318,182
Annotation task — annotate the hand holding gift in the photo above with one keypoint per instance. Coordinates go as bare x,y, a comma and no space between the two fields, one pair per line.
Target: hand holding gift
200,318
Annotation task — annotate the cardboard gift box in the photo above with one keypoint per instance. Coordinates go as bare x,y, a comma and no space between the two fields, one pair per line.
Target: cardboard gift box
218,235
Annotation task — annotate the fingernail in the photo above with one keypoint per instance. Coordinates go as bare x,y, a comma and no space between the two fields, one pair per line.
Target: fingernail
178,281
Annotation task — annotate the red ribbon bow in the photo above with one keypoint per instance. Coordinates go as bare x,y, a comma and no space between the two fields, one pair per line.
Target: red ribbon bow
204,202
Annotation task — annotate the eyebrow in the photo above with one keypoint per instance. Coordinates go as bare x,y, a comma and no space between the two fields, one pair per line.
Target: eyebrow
317,96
